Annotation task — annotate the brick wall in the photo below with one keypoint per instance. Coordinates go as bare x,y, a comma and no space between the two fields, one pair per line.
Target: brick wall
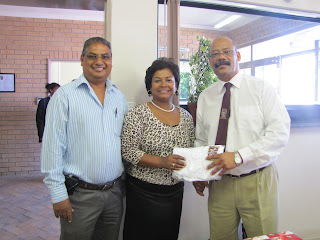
25,46
188,41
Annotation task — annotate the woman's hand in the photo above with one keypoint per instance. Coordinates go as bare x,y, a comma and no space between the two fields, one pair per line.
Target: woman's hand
173,162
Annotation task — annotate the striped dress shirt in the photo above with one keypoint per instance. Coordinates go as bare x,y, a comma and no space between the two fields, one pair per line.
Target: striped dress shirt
82,136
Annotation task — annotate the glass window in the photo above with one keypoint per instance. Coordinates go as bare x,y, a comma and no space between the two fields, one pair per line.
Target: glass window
245,53
270,73
298,84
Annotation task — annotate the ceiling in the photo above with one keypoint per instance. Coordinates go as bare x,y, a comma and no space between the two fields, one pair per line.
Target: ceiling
189,17
207,18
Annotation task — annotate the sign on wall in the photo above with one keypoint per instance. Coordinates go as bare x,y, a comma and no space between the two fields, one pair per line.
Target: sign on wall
7,82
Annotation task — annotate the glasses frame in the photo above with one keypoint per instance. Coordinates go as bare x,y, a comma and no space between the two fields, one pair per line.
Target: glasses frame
104,57
228,53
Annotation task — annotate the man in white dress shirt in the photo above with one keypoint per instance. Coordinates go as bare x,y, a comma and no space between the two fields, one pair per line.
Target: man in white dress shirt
258,130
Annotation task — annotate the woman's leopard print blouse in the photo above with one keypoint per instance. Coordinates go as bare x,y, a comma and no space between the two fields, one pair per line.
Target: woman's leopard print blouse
143,133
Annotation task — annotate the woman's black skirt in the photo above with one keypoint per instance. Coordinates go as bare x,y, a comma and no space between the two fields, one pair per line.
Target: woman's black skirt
153,211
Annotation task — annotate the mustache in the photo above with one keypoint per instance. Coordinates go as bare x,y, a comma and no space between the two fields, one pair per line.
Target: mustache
222,62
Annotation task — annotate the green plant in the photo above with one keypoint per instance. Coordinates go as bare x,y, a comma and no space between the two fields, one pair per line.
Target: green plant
202,75
184,85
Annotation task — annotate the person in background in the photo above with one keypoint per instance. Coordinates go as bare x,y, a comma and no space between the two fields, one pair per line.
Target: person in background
81,150
42,108
150,132
257,131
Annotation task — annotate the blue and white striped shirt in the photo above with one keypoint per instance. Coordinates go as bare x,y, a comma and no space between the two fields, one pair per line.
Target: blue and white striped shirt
82,137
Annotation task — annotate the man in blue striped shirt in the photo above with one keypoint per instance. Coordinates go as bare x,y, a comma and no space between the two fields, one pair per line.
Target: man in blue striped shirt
81,155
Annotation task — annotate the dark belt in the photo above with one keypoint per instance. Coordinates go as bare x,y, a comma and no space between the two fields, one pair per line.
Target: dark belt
155,188
101,187
246,174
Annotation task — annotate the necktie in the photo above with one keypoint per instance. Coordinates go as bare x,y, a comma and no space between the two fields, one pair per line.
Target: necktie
221,138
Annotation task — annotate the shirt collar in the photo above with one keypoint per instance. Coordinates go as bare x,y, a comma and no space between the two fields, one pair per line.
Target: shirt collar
82,80
110,85
235,81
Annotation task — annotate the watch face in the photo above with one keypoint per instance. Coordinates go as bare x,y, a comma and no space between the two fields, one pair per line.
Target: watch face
237,159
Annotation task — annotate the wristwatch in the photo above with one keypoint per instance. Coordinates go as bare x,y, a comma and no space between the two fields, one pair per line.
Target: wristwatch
237,158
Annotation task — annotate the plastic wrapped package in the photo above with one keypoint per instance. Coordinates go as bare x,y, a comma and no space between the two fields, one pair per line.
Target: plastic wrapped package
195,170
277,236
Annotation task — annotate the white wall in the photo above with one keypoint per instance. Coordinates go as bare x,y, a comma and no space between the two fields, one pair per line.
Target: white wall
194,217
299,183
134,45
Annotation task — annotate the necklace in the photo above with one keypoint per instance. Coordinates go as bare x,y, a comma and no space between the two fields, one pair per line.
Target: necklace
173,107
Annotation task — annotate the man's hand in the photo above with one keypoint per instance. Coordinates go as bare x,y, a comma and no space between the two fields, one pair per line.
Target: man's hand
63,209
200,186
224,161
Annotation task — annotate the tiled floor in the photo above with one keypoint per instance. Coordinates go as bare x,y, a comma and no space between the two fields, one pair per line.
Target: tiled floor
25,210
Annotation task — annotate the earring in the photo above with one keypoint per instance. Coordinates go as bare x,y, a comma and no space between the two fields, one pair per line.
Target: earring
149,93
176,93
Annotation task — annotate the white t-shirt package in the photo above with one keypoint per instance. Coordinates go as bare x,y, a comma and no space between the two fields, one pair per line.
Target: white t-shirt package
195,170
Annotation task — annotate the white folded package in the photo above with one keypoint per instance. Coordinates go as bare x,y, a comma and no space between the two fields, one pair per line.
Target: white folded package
195,170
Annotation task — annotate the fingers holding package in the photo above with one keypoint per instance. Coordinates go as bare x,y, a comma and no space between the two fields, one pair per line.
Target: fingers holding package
173,162
223,161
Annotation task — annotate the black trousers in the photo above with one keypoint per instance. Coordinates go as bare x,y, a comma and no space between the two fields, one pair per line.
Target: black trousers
153,211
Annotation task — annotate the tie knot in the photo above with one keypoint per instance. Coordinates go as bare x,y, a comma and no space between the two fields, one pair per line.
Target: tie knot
228,85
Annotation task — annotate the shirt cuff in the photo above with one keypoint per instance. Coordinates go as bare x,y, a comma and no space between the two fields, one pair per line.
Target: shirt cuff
58,194
246,154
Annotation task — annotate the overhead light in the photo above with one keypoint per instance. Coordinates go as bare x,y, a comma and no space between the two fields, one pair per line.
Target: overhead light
227,21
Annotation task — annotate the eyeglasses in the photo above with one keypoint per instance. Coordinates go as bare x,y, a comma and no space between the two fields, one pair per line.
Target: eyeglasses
228,53
95,57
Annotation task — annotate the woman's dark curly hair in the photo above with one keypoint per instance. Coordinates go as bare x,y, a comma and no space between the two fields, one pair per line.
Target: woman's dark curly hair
160,64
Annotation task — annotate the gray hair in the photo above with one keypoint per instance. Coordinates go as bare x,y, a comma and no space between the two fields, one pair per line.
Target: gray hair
95,40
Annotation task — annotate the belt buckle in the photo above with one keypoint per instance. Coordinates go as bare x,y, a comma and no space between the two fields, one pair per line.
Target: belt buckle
235,176
106,186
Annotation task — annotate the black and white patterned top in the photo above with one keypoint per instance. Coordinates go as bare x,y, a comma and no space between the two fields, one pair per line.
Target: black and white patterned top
143,133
